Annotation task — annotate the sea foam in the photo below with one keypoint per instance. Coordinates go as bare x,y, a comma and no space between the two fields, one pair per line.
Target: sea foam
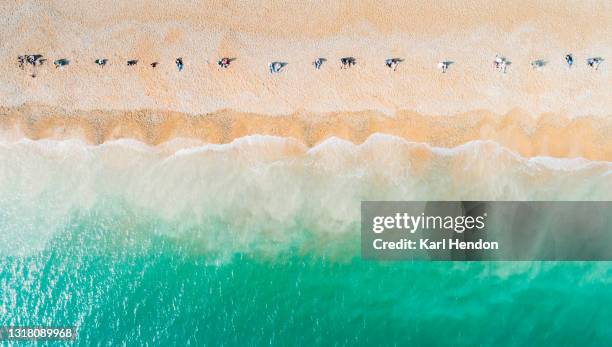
260,187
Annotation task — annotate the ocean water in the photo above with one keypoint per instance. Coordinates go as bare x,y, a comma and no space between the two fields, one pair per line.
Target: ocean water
257,243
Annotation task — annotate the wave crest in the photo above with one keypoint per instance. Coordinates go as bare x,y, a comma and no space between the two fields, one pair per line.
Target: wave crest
261,186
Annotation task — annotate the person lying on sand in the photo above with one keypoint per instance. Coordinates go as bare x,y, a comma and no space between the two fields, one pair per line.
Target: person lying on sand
132,62
154,64
318,63
21,59
34,59
276,66
538,64
392,63
501,63
61,63
347,62
224,62
443,65
101,62
179,63
594,62
569,59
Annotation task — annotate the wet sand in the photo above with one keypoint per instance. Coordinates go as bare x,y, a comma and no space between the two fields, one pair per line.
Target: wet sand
547,135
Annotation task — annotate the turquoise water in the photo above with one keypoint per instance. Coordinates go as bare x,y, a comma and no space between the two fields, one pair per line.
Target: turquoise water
253,244
152,288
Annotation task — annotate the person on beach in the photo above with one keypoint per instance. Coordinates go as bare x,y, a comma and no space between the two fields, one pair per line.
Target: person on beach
224,62
538,64
276,66
497,62
318,63
347,62
154,64
61,63
443,65
501,63
31,59
569,59
101,62
594,62
179,64
21,61
392,63
132,62
35,59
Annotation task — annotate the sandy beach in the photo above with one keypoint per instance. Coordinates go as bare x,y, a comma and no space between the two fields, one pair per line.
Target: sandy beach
547,135
554,111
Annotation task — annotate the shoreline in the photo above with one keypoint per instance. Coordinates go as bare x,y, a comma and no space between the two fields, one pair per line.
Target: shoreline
550,135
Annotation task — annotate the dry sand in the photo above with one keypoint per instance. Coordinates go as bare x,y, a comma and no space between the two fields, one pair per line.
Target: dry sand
555,111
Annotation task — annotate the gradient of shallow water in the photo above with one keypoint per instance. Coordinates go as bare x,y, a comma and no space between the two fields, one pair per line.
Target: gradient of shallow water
251,244
160,292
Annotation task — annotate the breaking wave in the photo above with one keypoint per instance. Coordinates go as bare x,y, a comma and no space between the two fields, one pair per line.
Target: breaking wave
260,189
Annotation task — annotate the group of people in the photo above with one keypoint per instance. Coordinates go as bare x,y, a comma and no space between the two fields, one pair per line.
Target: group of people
35,60
501,63
593,62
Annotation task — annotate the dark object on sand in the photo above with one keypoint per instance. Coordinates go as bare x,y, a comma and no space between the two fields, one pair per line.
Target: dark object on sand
35,59
347,62
225,62
444,65
101,62
538,64
318,63
276,66
569,59
31,59
392,63
61,63
595,62
21,60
